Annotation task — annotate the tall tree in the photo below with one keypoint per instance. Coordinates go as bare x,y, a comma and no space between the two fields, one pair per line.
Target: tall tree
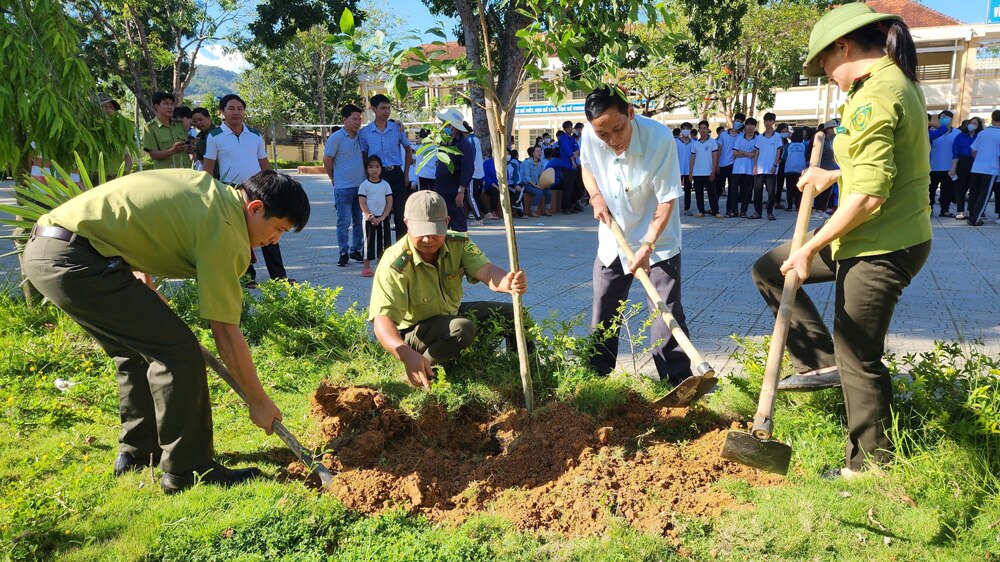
152,45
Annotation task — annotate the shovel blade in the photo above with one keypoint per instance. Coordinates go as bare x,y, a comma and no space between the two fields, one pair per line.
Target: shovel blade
744,448
686,393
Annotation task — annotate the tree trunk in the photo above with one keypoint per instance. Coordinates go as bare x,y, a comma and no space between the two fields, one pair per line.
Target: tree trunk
498,118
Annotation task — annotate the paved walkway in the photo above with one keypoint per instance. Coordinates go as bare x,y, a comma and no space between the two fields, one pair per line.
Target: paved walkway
955,297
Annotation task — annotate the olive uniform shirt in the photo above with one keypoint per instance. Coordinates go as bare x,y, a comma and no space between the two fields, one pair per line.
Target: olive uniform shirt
179,224
158,136
882,150
409,290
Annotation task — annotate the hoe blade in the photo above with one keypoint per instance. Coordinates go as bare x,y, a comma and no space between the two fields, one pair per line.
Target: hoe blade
686,393
744,448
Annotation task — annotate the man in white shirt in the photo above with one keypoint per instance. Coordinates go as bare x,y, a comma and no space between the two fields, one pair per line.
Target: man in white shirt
704,162
769,143
239,152
631,172
985,169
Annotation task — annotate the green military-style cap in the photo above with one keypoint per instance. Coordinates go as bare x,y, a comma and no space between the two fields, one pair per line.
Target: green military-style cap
836,24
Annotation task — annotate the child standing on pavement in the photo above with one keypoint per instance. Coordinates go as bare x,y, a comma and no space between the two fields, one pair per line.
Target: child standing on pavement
375,198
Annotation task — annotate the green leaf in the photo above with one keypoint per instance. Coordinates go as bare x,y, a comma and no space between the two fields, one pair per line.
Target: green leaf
437,31
347,22
402,86
417,71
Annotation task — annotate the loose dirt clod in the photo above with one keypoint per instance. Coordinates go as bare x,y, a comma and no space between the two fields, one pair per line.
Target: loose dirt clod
555,470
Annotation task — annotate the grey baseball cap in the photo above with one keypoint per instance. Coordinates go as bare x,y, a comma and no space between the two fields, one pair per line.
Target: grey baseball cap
426,214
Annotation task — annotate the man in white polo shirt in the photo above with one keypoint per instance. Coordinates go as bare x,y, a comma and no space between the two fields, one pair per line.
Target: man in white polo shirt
631,172
238,152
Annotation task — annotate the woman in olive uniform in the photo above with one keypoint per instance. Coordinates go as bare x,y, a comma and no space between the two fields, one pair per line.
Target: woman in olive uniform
878,239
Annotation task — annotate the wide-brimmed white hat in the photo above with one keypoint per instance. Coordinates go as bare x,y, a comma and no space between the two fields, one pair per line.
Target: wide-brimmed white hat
453,117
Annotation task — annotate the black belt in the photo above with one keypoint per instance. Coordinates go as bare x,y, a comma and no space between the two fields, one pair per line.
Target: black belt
390,168
59,233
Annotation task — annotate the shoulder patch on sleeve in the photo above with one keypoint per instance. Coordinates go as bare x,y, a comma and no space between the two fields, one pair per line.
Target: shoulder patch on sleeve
215,132
401,262
861,117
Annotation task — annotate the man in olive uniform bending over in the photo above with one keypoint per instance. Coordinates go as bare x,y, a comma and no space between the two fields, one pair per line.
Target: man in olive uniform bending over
416,303
86,257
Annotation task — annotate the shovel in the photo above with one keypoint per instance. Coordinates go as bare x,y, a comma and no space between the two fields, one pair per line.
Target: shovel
325,476
756,448
692,388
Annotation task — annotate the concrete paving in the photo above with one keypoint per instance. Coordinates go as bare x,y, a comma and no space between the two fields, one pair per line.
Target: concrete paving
956,297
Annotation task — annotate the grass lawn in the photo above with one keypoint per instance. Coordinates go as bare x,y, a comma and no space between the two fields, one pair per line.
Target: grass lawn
58,500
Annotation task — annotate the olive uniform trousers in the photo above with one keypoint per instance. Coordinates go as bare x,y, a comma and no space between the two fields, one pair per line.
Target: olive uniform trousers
867,290
162,383
442,338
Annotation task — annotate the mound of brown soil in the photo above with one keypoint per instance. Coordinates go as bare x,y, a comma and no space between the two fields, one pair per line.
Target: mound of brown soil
556,470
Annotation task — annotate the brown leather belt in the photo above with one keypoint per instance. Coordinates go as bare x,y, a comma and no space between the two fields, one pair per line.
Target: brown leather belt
59,233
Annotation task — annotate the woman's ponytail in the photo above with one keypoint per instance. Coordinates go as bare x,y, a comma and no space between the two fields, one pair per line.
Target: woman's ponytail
900,48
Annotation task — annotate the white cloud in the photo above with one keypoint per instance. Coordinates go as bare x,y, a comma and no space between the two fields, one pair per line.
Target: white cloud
215,55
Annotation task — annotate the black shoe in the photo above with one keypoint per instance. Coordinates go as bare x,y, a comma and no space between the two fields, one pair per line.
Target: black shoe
213,473
343,260
771,218
125,462
356,256
809,382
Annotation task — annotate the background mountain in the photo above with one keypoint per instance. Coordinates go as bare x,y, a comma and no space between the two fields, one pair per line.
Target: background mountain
211,80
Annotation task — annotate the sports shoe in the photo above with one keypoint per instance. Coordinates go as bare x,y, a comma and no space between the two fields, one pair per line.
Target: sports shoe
212,473
718,216
700,215
356,256
753,216
344,259
688,213
771,218
961,217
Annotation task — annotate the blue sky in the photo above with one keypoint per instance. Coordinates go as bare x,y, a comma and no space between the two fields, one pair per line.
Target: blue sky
417,16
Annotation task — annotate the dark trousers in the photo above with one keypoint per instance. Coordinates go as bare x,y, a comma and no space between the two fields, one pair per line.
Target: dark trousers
686,182
794,195
162,385
769,183
272,259
962,185
701,185
459,221
822,200
426,183
981,186
740,189
611,286
377,237
572,185
442,338
724,187
400,193
942,181
867,290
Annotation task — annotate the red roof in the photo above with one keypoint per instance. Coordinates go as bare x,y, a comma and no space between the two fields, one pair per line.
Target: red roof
914,14
452,50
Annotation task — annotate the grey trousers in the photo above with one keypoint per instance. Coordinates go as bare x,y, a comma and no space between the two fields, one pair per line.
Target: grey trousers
611,286
867,290
442,338
162,384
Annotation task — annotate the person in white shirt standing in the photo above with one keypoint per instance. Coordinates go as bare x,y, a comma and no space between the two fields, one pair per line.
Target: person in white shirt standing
375,198
632,175
239,152
769,143
684,144
985,169
704,162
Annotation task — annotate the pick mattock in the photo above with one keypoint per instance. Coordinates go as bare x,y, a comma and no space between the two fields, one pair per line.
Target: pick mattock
692,388
325,476
756,448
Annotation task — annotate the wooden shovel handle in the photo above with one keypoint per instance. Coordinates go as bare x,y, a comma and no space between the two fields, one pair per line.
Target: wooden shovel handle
675,328
762,423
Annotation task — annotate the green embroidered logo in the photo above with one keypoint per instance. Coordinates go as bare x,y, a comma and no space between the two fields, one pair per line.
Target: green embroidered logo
862,117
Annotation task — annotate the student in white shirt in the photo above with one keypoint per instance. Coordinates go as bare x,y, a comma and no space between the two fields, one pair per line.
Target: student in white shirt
684,144
375,198
725,184
704,163
745,161
631,172
766,168
985,169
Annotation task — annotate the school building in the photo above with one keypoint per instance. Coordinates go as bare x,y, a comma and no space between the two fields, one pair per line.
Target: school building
958,68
